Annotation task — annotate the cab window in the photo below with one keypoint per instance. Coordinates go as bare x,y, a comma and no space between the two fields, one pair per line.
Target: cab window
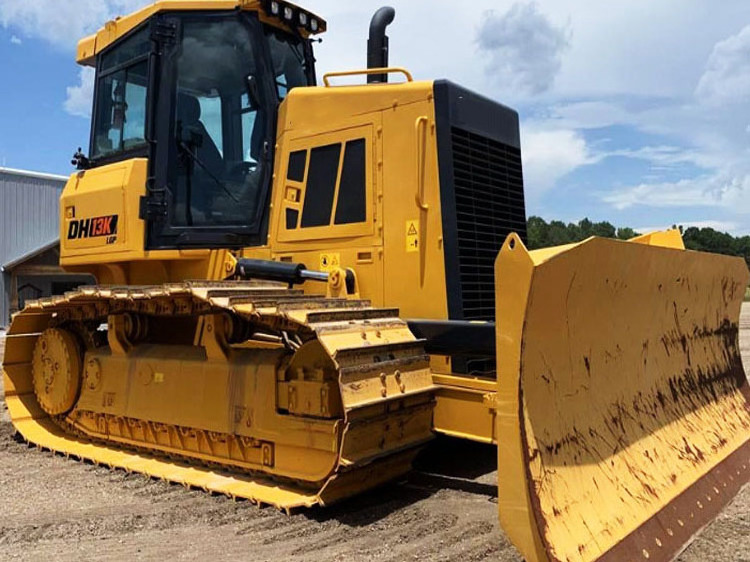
289,62
120,98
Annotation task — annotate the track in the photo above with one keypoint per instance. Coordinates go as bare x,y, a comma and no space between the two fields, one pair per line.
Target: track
446,510
355,383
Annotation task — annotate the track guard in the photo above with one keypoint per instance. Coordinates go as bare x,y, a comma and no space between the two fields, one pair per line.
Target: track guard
623,407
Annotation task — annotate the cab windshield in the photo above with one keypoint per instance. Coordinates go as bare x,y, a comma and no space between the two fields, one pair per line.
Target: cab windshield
221,119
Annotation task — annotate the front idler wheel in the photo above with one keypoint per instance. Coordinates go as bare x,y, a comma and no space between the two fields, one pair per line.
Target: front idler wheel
56,371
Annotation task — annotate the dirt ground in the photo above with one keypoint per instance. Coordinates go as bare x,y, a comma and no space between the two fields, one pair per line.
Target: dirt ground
446,509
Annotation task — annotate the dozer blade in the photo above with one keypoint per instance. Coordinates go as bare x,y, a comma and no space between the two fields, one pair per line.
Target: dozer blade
623,419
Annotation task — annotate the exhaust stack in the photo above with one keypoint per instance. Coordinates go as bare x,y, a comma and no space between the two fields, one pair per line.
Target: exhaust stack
377,44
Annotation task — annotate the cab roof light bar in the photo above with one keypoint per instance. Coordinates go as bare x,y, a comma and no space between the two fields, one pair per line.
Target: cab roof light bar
294,16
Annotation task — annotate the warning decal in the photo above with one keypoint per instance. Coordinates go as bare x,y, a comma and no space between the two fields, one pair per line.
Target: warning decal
412,236
329,262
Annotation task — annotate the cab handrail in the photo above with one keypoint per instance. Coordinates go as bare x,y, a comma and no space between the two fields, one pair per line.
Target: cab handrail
366,71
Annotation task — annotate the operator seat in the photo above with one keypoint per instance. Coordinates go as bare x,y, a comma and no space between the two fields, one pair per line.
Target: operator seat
194,182
189,115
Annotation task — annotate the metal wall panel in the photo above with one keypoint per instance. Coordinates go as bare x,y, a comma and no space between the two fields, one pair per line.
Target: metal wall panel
29,218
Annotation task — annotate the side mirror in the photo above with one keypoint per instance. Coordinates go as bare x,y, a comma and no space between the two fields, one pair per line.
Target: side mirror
253,92
80,161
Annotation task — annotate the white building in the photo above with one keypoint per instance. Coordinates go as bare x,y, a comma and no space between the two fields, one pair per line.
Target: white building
29,240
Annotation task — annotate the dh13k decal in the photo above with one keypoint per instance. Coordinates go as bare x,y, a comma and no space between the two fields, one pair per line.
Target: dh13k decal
93,227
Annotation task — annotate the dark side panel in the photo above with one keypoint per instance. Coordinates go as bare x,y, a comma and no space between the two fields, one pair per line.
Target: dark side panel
481,190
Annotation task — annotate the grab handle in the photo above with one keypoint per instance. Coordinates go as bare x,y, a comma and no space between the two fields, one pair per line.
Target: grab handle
366,71
421,129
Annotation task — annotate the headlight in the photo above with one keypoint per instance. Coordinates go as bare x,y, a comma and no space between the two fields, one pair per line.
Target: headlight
314,25
302,19
275,8
288,13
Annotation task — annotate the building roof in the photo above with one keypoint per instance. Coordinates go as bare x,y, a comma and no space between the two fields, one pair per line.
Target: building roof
29,255
30,174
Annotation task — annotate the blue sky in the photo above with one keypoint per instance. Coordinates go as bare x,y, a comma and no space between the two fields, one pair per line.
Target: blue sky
36,132
636,112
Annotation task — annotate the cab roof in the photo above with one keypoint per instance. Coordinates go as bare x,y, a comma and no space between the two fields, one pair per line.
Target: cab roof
90,46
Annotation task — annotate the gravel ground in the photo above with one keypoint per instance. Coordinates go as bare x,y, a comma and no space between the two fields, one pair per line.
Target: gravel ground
446,509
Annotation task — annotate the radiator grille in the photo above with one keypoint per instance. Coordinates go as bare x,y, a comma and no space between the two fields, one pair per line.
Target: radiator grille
489,206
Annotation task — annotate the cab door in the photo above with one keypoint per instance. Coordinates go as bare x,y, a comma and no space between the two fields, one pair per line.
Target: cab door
215,119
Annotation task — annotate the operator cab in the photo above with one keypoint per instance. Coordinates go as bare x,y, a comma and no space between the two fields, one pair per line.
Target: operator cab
197,93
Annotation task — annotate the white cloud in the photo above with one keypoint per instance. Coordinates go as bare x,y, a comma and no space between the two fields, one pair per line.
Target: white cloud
524,48
718,190
713,130
590,114
663,156
727,75
548,155
62,22
15,40
80,98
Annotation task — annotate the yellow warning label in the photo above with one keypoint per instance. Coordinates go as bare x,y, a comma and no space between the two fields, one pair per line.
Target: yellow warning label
412,236
330,261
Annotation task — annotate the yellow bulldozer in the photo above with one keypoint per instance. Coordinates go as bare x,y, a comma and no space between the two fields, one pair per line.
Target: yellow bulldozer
300,285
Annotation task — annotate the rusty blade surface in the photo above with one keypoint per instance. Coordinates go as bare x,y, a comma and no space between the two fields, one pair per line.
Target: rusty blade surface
623,406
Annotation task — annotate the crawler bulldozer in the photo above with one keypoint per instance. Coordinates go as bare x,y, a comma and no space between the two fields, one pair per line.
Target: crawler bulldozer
300,285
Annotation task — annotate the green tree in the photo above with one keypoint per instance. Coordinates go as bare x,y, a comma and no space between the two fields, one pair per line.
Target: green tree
604,229
558,234
586,228
710,240
541,234
537,232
